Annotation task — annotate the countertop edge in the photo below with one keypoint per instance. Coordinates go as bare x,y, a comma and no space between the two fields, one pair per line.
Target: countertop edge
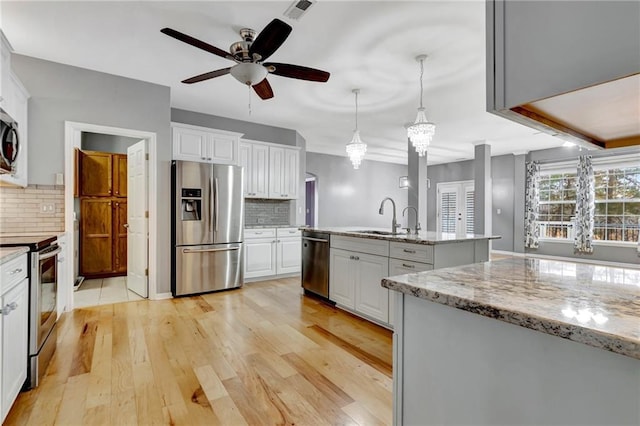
595,338
403,238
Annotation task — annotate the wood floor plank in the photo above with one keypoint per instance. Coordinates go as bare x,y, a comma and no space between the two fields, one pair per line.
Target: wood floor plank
263,354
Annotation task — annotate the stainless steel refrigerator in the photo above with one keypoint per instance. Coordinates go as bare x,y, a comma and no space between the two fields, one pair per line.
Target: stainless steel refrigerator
207,226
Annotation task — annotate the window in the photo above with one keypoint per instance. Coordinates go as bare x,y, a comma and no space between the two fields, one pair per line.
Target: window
557,204
617,213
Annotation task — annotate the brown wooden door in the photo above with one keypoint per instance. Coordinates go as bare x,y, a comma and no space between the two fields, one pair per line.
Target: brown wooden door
120,175
120,236
96,174
96,234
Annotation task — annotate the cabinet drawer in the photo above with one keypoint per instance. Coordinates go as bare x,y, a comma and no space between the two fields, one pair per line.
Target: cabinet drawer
259,233
13,272
362,245
416,252
288,232
400,267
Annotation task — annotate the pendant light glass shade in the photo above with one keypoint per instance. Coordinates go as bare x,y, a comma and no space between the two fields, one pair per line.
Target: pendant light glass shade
421,132
356,148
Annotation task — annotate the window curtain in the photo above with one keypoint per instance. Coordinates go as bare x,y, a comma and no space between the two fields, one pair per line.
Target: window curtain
585,206
532,201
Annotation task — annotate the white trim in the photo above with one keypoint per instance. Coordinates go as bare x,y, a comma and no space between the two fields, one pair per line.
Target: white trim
205,129
73,137
163,296
276,145
507,253
581,260
622,244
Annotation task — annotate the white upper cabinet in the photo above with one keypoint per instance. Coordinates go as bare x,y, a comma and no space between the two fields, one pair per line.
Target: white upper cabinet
284,164
14,101
201,144
254,157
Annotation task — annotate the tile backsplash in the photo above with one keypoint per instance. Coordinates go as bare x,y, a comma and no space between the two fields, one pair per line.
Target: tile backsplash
266,212
22,210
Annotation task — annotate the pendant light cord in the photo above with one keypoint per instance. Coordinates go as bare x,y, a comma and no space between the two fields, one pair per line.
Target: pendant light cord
421,75
356,111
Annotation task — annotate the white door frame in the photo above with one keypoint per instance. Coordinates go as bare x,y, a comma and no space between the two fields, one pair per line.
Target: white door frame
461,185
72,139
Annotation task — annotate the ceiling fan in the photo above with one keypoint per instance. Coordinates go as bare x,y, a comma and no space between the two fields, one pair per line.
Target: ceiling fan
249,54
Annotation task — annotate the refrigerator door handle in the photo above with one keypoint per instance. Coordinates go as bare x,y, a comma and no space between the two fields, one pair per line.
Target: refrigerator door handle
209,250
210,205
216,205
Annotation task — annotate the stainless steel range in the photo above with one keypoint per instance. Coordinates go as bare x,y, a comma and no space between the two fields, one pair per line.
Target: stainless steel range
43,288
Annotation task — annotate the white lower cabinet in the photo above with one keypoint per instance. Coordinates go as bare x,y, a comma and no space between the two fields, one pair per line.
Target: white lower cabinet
14,301
260,258
355,283
272,252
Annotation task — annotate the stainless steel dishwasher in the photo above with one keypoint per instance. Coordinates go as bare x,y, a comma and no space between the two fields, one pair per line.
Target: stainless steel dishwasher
315,263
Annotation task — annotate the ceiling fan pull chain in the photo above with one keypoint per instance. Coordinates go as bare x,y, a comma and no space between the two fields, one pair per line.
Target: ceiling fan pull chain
249,98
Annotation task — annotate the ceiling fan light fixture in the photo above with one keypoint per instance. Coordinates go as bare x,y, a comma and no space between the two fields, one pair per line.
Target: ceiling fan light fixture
421,132
249,73
356,148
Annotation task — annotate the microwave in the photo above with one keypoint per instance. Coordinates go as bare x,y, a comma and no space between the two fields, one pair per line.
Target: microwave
9,143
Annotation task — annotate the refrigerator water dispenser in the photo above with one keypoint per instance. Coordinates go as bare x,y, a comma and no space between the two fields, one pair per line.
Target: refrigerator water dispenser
191,204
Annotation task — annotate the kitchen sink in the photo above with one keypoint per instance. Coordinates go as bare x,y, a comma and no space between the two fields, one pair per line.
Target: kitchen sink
378,232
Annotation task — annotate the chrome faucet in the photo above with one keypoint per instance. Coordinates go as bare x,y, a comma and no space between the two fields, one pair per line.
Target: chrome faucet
417,228
394,223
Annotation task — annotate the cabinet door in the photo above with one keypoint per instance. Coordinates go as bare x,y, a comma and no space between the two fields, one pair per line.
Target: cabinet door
119,175
222,149
190,144
342,278
290,178
244,160
260,166
14,342
276,172
15,98
120,236
96,235
260,258
371,298
289,255
96,174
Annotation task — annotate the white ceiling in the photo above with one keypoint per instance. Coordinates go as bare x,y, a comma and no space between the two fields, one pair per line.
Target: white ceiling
370,45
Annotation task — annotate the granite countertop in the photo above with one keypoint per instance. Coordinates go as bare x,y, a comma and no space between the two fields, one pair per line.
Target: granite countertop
10,253
591,304
424,237
261,226
57,234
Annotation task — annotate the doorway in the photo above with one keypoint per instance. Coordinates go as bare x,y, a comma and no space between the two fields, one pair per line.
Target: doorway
73,139
455,207
311,201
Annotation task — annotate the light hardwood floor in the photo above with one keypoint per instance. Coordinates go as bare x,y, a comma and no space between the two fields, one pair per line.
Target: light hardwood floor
263,354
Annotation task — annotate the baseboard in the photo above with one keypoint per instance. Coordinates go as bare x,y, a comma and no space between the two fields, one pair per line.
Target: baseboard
162,296
270,277
580,260
508,253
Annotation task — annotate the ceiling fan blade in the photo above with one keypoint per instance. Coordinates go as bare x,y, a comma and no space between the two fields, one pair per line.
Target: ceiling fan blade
196,43
270,39
297,71
263,89
207,75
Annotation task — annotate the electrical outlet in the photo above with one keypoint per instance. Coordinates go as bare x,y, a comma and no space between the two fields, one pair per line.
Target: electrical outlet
260,220
47,208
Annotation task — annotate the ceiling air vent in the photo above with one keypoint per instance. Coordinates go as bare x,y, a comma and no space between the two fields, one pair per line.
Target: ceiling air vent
298,8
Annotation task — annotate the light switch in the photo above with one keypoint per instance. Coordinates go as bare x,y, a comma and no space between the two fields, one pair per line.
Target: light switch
498,211
59,179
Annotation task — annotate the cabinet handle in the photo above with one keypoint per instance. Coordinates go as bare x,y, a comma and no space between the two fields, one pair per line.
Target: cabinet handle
203,158
354,258
408,266
8,308
258,233
408,251
15,271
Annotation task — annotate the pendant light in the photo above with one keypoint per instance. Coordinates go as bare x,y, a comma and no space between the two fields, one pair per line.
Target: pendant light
421,131
356,148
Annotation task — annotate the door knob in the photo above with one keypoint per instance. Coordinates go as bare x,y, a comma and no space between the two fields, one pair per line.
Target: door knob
126,225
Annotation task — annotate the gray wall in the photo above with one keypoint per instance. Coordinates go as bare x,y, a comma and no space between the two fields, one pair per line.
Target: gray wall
502,178
258,132
348,197
106,143
62,93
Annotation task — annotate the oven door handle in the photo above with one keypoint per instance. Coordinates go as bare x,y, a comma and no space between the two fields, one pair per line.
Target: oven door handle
51,254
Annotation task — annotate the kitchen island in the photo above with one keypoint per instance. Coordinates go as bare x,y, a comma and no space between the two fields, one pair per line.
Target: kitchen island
359,258
517,341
